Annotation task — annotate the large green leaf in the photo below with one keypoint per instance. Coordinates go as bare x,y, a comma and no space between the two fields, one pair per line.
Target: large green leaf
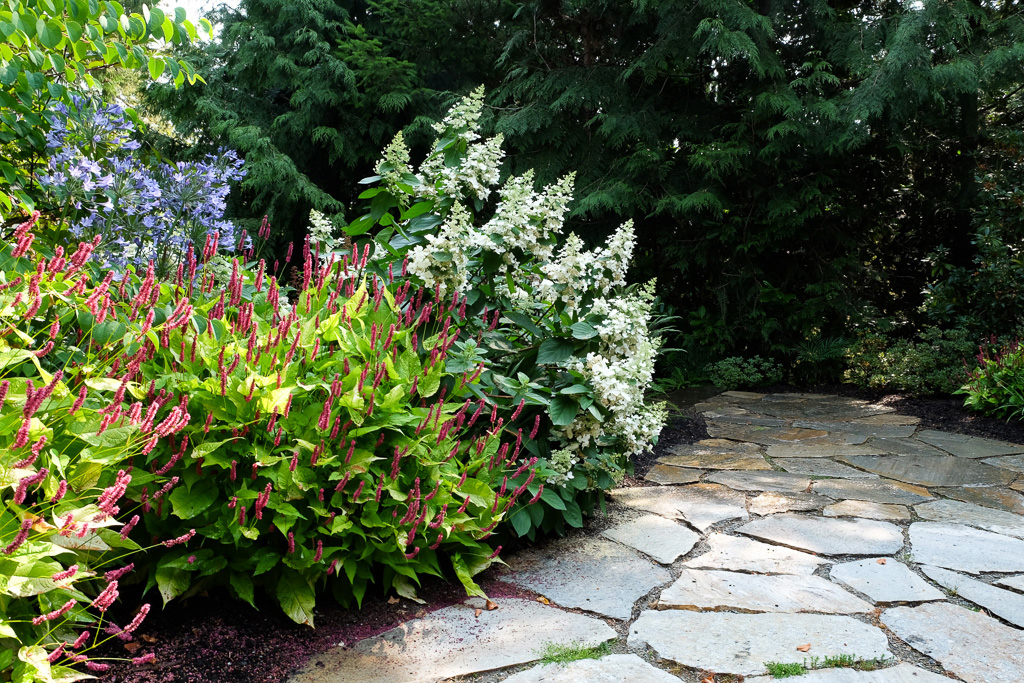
187,503
555,351
296,597
563,410
171,582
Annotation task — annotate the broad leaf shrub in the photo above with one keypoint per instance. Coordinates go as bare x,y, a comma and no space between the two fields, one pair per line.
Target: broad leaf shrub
744,373
934,362
564,342
74,416
996,386
333,446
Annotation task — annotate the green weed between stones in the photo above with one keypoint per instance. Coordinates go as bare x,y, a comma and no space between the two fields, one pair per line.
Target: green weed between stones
786,670
565,653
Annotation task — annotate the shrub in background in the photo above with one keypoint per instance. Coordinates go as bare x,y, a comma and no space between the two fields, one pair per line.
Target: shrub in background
996,386
936,362
73,415
563,340
744,373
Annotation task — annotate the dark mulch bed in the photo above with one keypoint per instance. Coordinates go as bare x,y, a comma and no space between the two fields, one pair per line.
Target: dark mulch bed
212,639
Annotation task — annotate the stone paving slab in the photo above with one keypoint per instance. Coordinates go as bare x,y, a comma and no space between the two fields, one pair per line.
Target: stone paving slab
872,491
1015,582
827,536
783,482
741,643
1002,603
590,574
924,470
701,505
711,590
867,510
669,475
822,467
898,446
747,418
713,447
770,503
972,646
610,669
820,449
903,673
885,580
959,547
741,554
958,512
888,419
861,429
453,641
990,497
660,538
1010,462
760,434
968,446
718,461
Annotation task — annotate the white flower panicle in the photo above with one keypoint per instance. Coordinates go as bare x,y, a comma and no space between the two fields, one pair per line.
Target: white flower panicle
321,233
577,272
394,164
621,372
443,260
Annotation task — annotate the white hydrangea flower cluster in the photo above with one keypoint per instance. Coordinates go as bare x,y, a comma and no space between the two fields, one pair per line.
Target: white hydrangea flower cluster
621,372
464,117
474,176
443,260
394,164
321,233
562,462
577,272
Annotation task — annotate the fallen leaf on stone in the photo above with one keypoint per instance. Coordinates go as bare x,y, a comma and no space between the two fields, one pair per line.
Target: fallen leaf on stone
477,612
804,648
880,560
709,679
132,647
543,600
148,638
392,600
491,605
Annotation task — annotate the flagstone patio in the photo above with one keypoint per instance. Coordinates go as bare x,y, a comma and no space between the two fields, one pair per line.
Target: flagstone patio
811,527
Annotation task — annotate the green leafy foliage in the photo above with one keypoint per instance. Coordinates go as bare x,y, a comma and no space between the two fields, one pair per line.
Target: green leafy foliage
744,373
51,49
996,386
935,362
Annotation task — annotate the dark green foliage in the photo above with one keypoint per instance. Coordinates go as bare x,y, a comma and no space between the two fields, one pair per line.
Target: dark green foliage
934,362
789,165
744,373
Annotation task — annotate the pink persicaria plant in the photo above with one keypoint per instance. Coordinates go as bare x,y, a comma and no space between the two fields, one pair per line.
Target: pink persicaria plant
74,418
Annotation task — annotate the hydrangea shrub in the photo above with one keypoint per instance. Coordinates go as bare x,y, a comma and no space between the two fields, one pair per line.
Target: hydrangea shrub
562,337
